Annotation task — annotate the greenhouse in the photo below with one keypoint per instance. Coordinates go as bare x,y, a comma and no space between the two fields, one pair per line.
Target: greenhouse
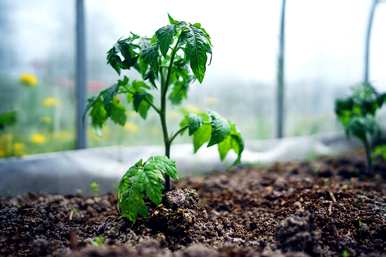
192,128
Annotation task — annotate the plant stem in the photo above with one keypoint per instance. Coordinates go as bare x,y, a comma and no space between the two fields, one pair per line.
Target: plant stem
368,157
162,115
176,134
162,111
153,106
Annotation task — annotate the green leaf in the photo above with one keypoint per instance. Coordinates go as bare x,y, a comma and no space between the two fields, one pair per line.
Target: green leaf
143,180
193,122
150,56
197,47
172,21
114,60
151,76
98,113
179,92
201,136
220,128
233,142
107,105
180,80
139,87
362,127
118,113
128,51
237,143
141,103
224,147
152,181
164,164
165,37
132,204
109,94
357,112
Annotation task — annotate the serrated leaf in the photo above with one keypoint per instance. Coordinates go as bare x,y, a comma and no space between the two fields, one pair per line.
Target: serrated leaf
237,145
107,105
201,136
224,147
98,113
109,94
143,180
164,164
171,20
233,142
357,127
179,92
150,55
165,38
118,113
151,76
197,47
220,128
131,204
128,53
114,60
357,112
152,180
141,103
193,122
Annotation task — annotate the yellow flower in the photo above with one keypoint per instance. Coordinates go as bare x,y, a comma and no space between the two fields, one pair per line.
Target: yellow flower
38,138
50,101
131,127
18,149
28,79
46,120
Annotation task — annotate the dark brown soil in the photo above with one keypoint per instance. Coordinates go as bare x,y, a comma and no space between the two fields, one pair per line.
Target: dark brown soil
318,208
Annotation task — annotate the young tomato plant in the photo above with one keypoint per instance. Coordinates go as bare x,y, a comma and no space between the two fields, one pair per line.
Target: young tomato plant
357,115
167,63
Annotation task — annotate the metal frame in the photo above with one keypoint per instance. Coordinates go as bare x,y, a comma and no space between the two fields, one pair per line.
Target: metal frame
280,91
81,75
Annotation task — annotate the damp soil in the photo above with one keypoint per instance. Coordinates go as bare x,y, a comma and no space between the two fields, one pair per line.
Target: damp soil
325,207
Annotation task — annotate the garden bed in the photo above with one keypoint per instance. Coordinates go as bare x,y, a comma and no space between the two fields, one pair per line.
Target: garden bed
317,208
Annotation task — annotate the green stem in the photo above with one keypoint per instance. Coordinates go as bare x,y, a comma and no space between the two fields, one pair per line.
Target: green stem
153,106
173,55
176,134
162,113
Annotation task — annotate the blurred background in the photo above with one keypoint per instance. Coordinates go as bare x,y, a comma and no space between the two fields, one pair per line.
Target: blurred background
324,58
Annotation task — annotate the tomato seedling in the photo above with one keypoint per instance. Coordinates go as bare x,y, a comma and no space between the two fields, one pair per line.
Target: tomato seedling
357,115
167,63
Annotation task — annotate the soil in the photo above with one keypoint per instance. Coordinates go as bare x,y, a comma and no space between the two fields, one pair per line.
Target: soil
325,207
